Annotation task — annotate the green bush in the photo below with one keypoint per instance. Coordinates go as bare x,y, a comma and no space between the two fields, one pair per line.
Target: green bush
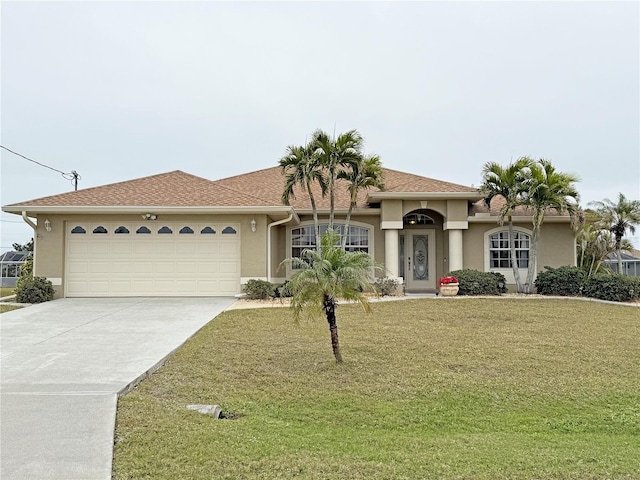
614,287
563,281
258,289
386,286
282,291
34,290
26,272
474,282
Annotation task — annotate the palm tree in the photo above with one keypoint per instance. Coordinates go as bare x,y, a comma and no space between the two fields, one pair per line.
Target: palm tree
301,168
324,277
548,189
618,218
509,183
594,246
333,153
361,174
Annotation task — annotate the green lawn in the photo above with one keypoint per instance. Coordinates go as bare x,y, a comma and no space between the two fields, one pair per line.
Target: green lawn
430,389
6,291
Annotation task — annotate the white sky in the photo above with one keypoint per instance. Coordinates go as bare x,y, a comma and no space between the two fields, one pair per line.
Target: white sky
121,90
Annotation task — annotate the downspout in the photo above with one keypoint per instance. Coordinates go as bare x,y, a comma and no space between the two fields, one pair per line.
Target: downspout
35,237
274,224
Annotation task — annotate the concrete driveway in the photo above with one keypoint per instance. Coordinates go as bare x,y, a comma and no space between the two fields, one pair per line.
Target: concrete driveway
63,364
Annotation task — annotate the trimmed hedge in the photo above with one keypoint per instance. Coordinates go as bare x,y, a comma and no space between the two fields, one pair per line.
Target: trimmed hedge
258,289
474,282
562,281
34,290
614,287
386,286
572,281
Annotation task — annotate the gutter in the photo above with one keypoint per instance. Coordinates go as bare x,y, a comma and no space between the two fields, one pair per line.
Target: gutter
28,221
274,224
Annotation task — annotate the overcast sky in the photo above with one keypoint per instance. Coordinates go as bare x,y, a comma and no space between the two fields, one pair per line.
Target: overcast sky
122,90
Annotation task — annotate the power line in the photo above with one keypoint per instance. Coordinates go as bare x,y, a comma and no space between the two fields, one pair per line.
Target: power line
73,176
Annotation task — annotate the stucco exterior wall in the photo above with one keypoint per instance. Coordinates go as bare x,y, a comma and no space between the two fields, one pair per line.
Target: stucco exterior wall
556,246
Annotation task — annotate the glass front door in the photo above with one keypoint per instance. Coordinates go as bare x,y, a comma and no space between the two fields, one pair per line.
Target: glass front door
419,271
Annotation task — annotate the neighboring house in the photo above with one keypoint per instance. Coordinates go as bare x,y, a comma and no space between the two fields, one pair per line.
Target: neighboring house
630,263
176,234
10,263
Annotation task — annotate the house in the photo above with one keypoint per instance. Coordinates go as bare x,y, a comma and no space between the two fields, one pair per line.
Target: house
630,262
175,234
10,263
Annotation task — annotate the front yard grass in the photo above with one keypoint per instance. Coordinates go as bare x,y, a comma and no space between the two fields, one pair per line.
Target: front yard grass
429,389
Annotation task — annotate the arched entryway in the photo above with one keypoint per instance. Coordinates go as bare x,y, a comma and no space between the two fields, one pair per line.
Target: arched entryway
418,250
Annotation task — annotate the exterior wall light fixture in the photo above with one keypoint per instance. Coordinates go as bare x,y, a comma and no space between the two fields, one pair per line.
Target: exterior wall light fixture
253,225
47,225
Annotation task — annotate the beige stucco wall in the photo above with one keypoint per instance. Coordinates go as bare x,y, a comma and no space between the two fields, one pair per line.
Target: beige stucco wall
556,244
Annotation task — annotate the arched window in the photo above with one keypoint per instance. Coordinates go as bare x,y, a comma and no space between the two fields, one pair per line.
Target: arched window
78,229
100,229
165,229
121,229
207,230
500,249
143,229
304,238
229,231
185,230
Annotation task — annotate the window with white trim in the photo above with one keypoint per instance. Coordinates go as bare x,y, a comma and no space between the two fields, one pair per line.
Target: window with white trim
500,250
303,238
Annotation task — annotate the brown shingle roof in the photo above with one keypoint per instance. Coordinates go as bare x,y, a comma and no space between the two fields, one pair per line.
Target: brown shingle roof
259,188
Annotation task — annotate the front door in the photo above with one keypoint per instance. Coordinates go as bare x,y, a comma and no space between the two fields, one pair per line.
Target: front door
420,264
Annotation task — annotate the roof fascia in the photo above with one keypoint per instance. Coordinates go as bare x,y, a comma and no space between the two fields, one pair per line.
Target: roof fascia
34,209
377,196
520,219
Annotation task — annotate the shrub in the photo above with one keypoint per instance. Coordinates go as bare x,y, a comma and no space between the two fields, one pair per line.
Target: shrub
34,290
282,291
563,281
26,272
258,289
474,282
386,286
614,287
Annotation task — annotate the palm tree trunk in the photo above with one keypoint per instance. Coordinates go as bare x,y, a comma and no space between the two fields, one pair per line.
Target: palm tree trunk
619,252
533,255
514,260
329,305
346,226
332,198
316,223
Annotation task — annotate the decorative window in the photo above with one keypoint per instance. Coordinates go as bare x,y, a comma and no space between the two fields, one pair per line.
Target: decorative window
184,230
208,230
229,231
417,219
78,229
500,250
303,238
100,229
121,229
143,229
165,229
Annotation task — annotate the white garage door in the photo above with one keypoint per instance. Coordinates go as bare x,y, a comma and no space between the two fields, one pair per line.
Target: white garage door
152,259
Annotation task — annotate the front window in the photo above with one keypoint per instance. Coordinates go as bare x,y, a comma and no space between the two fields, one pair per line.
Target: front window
303,238
500,250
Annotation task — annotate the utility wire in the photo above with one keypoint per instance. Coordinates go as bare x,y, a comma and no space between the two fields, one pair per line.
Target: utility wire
73,176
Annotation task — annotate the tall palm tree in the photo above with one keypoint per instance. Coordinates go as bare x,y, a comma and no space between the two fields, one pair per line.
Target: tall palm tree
548,189
333,153
510,183
361,174
618,218
301,168
324,277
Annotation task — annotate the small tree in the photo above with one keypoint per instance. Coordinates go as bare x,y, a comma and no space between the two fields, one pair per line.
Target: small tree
324,277
27,247
619,218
